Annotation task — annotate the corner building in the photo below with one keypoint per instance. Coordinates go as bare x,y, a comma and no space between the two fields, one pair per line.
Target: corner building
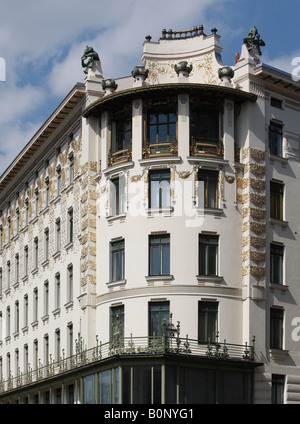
149,235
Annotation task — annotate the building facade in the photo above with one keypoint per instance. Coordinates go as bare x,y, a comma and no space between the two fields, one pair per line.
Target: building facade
149,246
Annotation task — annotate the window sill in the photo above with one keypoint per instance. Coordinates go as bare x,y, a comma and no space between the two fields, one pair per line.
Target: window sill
275,158
151,278
209,211
118,167
56,312
45,318
69,245
278,354
56,255
113,218
45,263
160,159
278,286
209,279
274,221
208,161
35,324
116,283
160,211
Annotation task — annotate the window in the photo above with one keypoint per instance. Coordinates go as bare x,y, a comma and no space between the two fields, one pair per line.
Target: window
123,137
46,349
276,196
275,139
46,298
57,291
8,321
1,281
58,178
57,235
8,230
35,253
70,226
70,283
1,238
208,255
35,305
159,313
207,322
117,195
26,211
26,363
36,354
26,310
46,244
71,168
161,127
47,196
204,123
276,103
276,264
159,190
117,260
36,193
17,268
210,188
8,275
276,328
17,221
17,317
116,321
278,389
57,345
159,255
25,261
70,339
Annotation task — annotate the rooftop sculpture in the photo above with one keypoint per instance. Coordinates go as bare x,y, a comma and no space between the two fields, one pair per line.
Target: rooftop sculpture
254,40
90,55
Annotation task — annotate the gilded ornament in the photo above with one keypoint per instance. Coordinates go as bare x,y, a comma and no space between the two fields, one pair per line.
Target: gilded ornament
229,178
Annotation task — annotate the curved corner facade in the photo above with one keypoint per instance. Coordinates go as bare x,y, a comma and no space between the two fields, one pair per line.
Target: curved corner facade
149,236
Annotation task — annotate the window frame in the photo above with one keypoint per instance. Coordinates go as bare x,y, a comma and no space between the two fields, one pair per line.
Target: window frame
276,200
212,241
117,258
164,190
210,178
210,310
275,138
163,240
276,328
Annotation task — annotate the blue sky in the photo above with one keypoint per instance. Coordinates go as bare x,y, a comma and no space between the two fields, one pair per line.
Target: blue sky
41,42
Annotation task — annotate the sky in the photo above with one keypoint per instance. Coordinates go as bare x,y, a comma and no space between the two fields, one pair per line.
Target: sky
42,41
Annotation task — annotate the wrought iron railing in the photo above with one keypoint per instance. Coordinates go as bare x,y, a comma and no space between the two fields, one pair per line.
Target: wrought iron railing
120,156
170,343
160,149
207,147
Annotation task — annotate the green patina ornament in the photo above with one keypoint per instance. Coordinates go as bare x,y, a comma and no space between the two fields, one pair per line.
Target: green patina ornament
226,71
109,83
90,55
140,71
254,40
183,67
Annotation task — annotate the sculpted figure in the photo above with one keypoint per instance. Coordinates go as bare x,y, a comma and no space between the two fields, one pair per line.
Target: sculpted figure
254,40
90,55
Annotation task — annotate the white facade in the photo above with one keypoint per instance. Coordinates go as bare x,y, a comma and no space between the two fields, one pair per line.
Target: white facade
169,193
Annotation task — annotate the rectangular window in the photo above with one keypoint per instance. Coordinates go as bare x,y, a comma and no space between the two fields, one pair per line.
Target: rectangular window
57,235
70,339
209,189
25,261
207,322
161,127
17,317
47,196
123,137
46,244
159,255
159,314
35,305
275,139
276,264
57,345
26,211
26,363
1,281
46,298
36,193
116,321
8,275
117,260
71,169
58,178
117,194
46,349
208,255
35,253
159,189
278,382
276,103
70,283
276,197
57,291
70,226
17,268
26,310
8,322
276,328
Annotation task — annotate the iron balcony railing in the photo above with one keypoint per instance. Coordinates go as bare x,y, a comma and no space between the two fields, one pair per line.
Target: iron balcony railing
207,147
134,346
120,156
167,148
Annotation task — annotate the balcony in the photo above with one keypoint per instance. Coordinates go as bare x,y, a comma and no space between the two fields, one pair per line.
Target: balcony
129,347
205,147
120,156
151,150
